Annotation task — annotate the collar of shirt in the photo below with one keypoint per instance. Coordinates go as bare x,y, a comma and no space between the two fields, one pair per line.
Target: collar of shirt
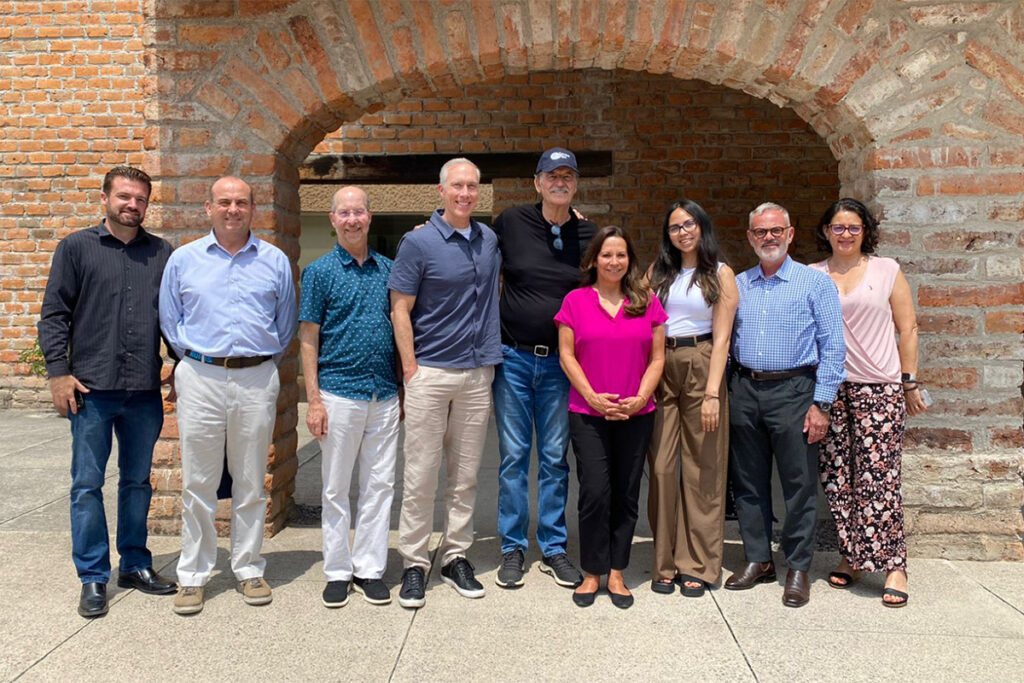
437,220
211,241
573,220
101,230
783,273
348,259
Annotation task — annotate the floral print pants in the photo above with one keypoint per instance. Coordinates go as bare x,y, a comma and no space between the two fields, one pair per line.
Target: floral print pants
860,462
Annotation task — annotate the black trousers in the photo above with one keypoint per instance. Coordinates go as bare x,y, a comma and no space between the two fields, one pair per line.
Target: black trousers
766,420
610,458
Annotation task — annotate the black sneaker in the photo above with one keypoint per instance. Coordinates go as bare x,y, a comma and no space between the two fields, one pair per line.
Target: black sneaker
459,575
562,570
336,594
413,593
374,591
510,574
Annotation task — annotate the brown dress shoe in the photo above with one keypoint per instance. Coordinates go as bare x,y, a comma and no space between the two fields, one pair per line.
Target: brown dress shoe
798,589
752,574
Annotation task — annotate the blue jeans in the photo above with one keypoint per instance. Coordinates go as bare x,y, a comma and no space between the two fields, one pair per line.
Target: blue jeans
136,417
528,392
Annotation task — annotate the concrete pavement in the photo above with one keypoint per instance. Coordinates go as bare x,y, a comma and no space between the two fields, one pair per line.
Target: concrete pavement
964,622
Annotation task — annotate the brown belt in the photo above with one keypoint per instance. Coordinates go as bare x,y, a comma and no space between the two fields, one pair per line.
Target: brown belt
759,376
676,342
235,363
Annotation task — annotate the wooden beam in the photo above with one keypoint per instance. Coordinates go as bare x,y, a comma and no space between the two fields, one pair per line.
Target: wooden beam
423,168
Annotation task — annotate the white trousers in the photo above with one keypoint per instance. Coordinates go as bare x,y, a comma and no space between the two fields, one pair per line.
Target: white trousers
446,414
366,431
219,408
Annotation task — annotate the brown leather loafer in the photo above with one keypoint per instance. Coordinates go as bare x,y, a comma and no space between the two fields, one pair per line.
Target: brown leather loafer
752,574
798,589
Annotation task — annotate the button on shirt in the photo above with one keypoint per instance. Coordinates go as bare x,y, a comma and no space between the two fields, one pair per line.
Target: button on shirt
225,305
790,320
349,302
455,282
98,319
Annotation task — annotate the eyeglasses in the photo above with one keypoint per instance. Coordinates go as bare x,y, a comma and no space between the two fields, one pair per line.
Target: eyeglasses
838,229
685,226
354,213
567,178
761,233
556,230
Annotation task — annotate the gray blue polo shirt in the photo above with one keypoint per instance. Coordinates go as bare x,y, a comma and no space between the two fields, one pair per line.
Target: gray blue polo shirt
350,304
455,281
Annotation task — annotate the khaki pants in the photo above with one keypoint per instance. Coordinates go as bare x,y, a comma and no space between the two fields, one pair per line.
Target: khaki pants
446,414
687,512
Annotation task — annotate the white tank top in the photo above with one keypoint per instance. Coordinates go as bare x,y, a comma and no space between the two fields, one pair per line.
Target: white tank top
688,315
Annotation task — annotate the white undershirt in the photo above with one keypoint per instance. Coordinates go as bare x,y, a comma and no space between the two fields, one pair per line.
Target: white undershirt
688,315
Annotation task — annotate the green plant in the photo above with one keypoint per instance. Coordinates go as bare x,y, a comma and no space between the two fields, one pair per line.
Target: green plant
34,357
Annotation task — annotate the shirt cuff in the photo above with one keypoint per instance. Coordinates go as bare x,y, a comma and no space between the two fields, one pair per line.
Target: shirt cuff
825,393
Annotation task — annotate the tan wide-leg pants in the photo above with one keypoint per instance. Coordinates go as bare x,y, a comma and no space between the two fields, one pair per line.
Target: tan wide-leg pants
687,509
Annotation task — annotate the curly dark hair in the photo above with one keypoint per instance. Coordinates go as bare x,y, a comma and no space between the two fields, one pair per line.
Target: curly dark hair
870,241
669,260
633,286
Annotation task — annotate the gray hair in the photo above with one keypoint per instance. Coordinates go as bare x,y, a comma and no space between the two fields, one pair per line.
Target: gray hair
457,160
766,207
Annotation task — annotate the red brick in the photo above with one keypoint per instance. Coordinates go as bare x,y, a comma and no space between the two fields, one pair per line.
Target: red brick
938,438
1004,321
971,295
977,184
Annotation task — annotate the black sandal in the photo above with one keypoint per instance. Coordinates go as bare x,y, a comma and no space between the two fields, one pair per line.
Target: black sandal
690,591
847,580
893,593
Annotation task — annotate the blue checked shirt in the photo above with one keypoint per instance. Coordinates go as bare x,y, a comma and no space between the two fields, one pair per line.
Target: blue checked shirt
790,320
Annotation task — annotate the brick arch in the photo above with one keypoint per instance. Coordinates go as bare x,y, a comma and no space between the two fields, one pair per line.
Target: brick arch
920,104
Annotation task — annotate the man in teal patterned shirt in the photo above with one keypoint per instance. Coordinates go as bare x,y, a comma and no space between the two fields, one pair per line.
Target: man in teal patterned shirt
348,359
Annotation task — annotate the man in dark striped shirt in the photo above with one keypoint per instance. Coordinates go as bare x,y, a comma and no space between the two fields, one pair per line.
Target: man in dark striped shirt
100,335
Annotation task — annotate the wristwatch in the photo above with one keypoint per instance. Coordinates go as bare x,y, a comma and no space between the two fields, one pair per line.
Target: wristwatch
824,406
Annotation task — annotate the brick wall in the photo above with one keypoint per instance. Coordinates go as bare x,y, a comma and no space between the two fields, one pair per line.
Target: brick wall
921,104
670,139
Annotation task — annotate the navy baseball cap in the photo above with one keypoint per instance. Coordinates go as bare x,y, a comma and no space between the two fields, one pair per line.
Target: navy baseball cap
556,157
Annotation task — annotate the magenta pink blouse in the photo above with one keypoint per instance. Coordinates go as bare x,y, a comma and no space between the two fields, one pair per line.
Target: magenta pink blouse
613,352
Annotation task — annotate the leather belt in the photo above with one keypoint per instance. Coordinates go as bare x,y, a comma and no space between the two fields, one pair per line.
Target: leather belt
759,376
676,342
539,350
235,363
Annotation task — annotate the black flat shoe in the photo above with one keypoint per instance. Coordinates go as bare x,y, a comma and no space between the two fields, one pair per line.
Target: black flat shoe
621,601
147,581
663,587
93,602
584,599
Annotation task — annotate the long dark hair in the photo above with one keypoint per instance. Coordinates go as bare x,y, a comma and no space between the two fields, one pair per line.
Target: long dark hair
870,240
632,283
669,260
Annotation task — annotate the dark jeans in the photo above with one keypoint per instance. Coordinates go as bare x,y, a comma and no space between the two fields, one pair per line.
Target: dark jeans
136,417
610,457
766,421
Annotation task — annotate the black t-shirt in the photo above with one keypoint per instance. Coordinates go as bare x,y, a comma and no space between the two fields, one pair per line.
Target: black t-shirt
536,275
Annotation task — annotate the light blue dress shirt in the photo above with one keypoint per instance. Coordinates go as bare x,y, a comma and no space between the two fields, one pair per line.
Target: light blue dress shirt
790,320
227,305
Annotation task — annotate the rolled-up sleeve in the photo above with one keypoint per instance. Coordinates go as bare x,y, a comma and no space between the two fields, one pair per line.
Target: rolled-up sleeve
828,321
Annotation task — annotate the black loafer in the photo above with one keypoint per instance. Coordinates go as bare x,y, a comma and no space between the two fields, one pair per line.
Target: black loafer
584,599
621,601
93,602
147,581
